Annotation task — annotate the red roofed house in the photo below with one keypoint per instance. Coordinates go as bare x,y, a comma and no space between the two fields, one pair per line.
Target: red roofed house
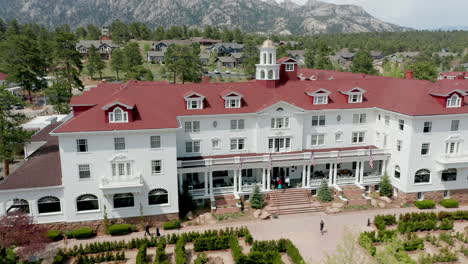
131,148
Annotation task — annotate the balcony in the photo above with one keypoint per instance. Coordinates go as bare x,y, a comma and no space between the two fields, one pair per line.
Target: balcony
112,185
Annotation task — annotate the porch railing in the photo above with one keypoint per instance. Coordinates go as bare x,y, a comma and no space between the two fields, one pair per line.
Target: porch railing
345,180
316,182
223,190
371,179
197,192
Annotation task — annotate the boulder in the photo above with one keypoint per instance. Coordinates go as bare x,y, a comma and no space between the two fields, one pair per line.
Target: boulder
386,199
206,219
264,215
374,202
382,204
337,205
257,213
332,210
189,215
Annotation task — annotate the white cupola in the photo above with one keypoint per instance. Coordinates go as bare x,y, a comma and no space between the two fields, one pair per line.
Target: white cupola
267,69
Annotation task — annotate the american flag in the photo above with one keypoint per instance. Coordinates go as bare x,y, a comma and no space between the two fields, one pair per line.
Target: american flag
338,158
312,158
371,159
270,162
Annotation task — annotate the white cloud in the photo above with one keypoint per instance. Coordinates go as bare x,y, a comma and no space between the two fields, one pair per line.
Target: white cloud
420,14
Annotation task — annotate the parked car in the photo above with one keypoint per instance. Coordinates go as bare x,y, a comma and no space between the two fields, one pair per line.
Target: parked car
217,71
227,72
205,71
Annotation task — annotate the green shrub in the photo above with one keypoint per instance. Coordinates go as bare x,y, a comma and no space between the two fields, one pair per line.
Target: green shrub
267,245
294,253
211,243
417,217
249,239
60,257
141,257
236,249
386,188
257,201
84,232
323,193
447,238
161,257
446,224
365,242
449,203
180,256
425,204
201,258
174,224
413,242
427,225
381,221
386,236
120,229
55,235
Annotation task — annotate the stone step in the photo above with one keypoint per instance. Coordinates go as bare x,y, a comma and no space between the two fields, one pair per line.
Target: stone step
298,210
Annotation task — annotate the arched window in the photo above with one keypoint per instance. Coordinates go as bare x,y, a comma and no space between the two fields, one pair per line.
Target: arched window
19,205
262,75
123,200
87,202
397,172
422,176
158,196
118,116
48,204
449,174
454,101
270,75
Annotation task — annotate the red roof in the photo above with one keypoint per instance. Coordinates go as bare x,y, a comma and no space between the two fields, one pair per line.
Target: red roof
3,76
159,105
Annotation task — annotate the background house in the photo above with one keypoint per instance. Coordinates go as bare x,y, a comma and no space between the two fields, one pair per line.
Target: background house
104,47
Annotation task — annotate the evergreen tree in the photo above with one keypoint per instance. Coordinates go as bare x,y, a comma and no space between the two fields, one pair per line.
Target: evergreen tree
132,57
59,95
81,33
183,62
424,70
67,60
257,199
309,59
92,32
118,62
322,61
159,33
139,72
363,63
386,188
95,63
119,32
250,58
324,194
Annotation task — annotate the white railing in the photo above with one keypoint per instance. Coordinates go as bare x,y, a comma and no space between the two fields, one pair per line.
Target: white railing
454,158
345,180
247,188
117,182
223,190
316,182
197,192
369,179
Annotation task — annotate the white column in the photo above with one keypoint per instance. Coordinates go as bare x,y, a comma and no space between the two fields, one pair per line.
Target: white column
361,172
330,174
308,176
206,184
210,177
181,183
268,180
384,166
235,180
335,172
304,176
263,179
356,173
240,180
33,210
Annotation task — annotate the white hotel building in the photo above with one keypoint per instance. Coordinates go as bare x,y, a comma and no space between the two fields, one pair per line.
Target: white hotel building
131,147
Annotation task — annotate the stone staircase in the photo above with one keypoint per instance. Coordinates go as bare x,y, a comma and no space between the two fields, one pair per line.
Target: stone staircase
291,201
354,195
226,204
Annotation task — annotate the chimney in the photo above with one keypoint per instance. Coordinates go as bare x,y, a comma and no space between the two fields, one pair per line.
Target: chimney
206,79
409,75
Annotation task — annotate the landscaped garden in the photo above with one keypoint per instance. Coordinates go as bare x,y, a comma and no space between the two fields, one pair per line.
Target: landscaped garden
418,238
212,246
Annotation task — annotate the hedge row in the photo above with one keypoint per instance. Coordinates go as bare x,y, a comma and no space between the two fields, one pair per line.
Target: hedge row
211,243
161,257
449,203
366,242
180,256
174,224
107,257
121,229
141,257
413,242
425,204
382,221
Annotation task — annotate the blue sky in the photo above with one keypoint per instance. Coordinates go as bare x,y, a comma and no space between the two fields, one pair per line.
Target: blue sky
419,14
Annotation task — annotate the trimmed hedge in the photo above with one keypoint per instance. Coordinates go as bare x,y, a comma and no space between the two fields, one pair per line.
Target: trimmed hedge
161,257
449,203
141,257
428,225
413,242
120,229
180,256
294,253
55,235
201,258
84,232
211,243
446,224
174,224
457,215
366,242
382,221
425,204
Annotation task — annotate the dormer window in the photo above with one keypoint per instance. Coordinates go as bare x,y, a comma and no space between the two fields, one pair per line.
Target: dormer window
232,99
233,102
195,104
355,98
289,67
118,116
320,99
454,101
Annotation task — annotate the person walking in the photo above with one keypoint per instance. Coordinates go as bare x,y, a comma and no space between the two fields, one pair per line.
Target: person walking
322,226
368,222
157,232
147,229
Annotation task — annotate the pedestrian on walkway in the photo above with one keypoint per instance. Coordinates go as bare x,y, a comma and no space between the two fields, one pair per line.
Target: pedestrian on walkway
322,226
368,221
157,232
147,229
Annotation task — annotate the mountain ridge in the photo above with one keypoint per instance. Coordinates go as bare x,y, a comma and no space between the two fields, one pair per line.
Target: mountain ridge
286,17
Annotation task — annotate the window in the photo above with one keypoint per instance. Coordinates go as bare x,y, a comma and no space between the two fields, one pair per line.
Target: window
387,120
192,146
355,98
318,120
280,144
119,143
420,196
455,125
446,194
237,124
317,140
449,175
233,103
82,145
401,124
48,204
454,101
385,140
320,99
452,147
84,172
280,122
121,169
359,118
237,144
155,142
192,126
158,196
377,188
19,205
425,149
427,127
399,144
289,67
156,167
87,202
422,176
195,104
397,174
215,143
358,137
122,200
338,136
118,116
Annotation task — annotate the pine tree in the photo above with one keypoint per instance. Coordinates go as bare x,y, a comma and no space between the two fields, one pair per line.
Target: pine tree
324,194
251,58
183,62
95,63
386,188
118,62
59,95
362,63
256,199
132,57
67,60
309,59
